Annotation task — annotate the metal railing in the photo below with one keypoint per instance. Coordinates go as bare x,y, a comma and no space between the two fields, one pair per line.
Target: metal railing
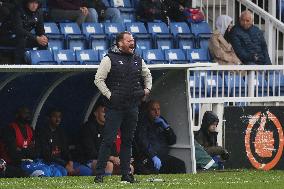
264,11
213,88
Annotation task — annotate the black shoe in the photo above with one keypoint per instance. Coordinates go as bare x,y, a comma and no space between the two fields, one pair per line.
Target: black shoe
128,178
99,179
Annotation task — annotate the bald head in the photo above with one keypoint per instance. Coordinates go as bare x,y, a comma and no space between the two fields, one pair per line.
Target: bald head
246,19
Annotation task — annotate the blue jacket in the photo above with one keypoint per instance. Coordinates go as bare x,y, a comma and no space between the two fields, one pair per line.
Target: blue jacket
153,139
249,44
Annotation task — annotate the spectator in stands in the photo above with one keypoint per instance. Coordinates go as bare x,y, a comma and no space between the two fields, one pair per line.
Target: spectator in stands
119,78
154,137
150,10
52,146
207,137
175,9
220,49
27,18
81,11
105,13
248,41
19,140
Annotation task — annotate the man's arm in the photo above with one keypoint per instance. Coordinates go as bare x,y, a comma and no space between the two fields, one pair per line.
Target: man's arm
146,74
101,76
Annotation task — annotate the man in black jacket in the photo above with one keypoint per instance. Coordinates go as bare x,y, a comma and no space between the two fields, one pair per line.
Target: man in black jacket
51,144
154,137
92,136
120,78
19,33
207,137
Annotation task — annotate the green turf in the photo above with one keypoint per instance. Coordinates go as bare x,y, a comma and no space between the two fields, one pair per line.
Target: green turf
207,180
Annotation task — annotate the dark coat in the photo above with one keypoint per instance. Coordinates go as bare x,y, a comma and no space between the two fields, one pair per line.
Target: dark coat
248,44
209,139
52,145
23,22
153,139
124,80
91,139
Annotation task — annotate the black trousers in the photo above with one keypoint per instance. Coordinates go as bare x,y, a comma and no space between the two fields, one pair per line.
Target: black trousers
126,120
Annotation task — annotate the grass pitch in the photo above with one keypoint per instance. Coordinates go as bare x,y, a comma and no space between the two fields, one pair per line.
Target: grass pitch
237,179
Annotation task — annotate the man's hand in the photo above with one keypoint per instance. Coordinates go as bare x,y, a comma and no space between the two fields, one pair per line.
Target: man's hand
69,167
84,10
161,122
157,162
115,160
42,40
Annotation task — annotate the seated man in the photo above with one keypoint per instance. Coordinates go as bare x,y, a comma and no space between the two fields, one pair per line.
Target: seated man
80,11
19,142
154,137
248,41
91,141
6,169
52,146
207,137
19,32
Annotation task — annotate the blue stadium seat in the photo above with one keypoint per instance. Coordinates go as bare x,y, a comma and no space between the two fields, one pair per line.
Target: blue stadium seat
136,28
163,39
260,84
70,28
179,28
213,84
197,55
51,28
102,53
92,29
55,38
183,37
41,57
127,12
74,38
142,38
88,56
234,84
154,56
196,86
175,56
65,57
203,32
276,83
203,40
200,28
112,29
98,40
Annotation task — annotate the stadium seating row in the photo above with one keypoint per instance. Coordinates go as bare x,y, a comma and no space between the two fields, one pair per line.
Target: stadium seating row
91,56
100,36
